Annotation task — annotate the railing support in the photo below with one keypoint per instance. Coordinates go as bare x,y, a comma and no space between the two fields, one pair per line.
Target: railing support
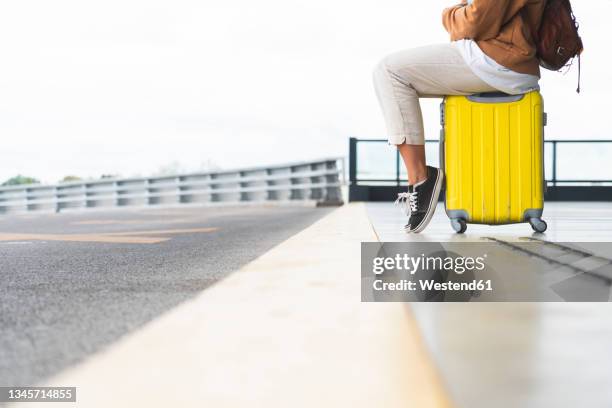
554,163
319,181
384,188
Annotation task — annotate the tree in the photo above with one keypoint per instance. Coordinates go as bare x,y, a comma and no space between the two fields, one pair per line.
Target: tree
68,179
19,179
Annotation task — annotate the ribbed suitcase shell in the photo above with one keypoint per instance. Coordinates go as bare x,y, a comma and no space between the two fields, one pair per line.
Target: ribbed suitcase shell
493,157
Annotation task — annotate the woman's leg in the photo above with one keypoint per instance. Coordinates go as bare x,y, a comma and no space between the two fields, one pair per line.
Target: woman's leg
413,156
402,78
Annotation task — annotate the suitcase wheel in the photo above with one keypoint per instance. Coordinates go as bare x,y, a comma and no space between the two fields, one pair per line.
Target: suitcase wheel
459,225
538,224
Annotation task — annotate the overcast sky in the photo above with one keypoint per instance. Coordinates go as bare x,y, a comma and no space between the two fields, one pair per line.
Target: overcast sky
131,86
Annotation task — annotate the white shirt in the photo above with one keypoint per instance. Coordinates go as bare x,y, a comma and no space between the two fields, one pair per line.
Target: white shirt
494,74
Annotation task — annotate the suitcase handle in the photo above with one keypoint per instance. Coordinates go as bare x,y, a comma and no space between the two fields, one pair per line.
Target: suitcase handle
495,97
442,133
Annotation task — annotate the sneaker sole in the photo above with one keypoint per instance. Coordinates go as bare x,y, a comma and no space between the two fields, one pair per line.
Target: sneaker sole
432,208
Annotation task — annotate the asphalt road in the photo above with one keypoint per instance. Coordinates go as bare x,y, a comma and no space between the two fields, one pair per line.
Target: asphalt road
71,284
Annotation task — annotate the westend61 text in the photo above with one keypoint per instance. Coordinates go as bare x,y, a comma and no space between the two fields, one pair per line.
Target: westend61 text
429,285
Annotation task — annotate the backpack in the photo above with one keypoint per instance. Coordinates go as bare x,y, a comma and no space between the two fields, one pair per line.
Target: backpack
557,41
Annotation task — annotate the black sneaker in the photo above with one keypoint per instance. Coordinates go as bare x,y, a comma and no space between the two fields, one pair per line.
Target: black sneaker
422,200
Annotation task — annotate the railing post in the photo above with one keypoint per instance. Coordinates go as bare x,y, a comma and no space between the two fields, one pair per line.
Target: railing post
333,195
147,190
269,183
177,190
56,198
116,193
352,161
27,199
84,191
554,163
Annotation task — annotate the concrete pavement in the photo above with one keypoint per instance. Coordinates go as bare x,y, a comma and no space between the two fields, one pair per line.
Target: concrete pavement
74,283
288,329
507,355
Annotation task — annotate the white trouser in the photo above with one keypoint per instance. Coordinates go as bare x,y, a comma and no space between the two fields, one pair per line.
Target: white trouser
425,72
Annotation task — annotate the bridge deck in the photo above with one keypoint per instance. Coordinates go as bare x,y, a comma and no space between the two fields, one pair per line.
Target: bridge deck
567,222
517,354
291,320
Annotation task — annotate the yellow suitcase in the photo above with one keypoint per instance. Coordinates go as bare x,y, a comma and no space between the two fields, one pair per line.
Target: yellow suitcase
492,153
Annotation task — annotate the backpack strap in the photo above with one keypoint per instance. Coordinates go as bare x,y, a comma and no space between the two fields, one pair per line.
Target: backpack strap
578,89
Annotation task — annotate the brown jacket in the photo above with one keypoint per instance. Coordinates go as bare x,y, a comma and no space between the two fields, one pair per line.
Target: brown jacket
501,28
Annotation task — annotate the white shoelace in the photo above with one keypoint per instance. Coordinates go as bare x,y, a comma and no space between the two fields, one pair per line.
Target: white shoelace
408,201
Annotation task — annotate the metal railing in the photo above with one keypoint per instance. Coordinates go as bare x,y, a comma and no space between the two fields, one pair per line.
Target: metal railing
558,189
318,181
